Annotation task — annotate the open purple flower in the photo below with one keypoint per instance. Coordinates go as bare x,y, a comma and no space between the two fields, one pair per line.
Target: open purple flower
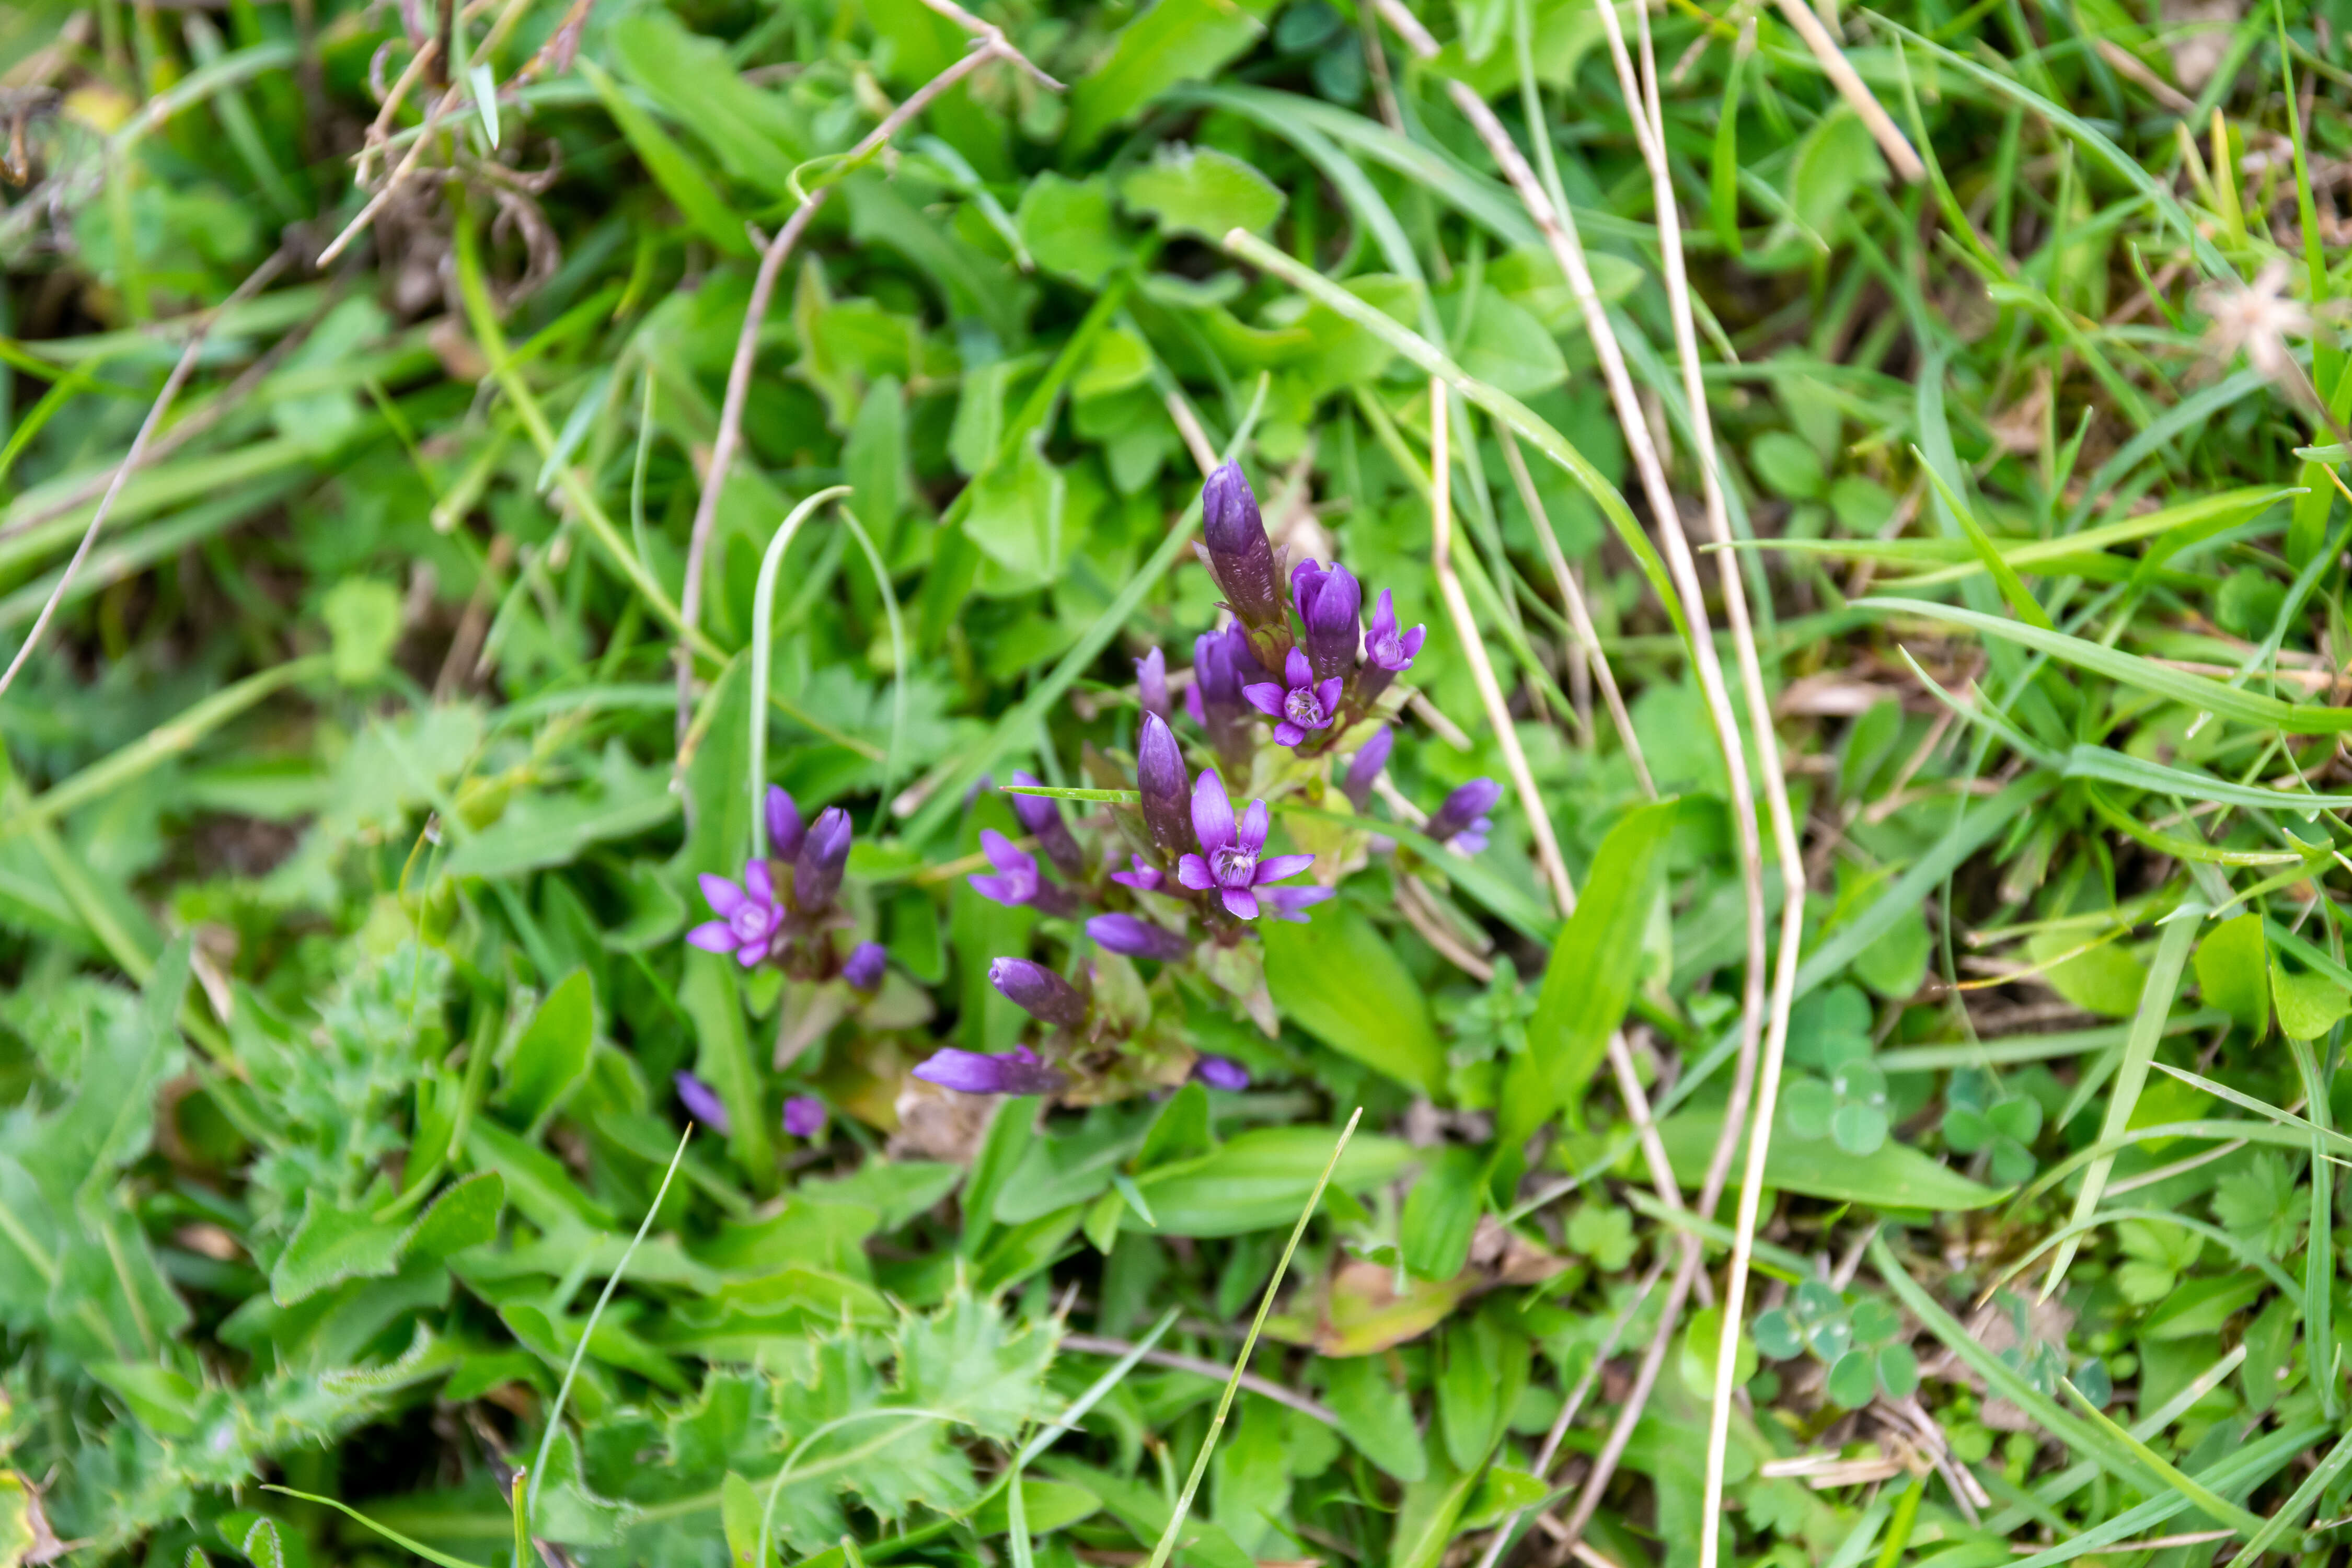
1039,990
1301,703
1018,1071
863,970
701,1100
1328,598
784,828
1461,822
1145,878
1041,818
1228,861
1366,765
803,1116
1137,938
1387,648
1016,881
1221,1072
749,915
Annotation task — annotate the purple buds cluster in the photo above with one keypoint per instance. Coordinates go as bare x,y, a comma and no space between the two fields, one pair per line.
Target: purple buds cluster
784,911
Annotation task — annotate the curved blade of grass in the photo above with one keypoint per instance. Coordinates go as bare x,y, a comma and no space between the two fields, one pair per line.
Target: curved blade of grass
2139,1052
764,641
2177,685
897,651
579,1351
2241,1470
2244,1522
2338,1141
2303,1498
407,1542
2175,845
2135,773
1523,421
2004,576
1166,1542
1986,718
2214,1128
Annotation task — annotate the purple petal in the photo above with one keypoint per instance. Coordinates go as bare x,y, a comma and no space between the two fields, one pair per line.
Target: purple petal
865,966
750,952
1413,640
1274,867
1137,938
1254,827
972,1072
701,1101
1221,1072
1287,733
1266,697
758,883
1241,903
803,1116
785,829
1327,696
1193,872
712,936
1289,903
1145,877
723,896
997,889
1004,854
1384,614
1194,707
1213,813
1296,672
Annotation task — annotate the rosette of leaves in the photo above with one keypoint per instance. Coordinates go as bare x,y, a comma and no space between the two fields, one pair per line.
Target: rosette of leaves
1843,1098
1859,1343
1978,1118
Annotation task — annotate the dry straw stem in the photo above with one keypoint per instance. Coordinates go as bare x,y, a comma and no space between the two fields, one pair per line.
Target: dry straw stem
1852,88
1786,848
991,46
1482,670
254,282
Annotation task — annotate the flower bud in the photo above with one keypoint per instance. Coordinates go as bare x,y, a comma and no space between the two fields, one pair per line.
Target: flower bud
1041,818
1461,821
804,1113
863,970
785,829
1223,664
1221,1072
1137,938
701,1100
1017,1071
825,853
1238,552
1038,991
1167,792
1151,683
1329,599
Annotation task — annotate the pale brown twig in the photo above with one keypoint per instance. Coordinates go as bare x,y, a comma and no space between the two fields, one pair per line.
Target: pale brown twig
1854,90
254,282
1098,1345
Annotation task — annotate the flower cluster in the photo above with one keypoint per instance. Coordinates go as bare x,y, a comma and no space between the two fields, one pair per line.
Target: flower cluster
784,911
1187,877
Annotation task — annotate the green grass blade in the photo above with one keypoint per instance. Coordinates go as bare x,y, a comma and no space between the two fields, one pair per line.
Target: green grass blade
2245,1523
407,1542
763,639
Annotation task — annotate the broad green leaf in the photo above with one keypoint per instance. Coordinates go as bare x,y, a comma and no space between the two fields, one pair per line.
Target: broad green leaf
1068,227
738,1521
1505,346
465,1215
1015,519
362,618
1201,191
1441,1213
1427,1514
1337,978
1895,1176
1375,1415
552,1054
1258,1180
1836,158
1172,42
1046,1506
1788,465
2233,974
546,1193
1589,982
2104,979
2308,1004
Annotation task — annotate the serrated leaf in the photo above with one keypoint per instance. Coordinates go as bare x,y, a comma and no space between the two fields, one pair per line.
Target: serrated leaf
334,1243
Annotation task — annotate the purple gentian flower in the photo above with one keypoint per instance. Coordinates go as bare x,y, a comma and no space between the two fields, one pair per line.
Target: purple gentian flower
1289,903
1016,881
1461,822
1018,1071
748,916
1137,938
1237,550
1160,779
1328,598
863,970
1145,878
1222,663
1221,1072
1152,684
785,829
701,1100
823,855
1041,818
1228,861
1384,647
1301,703
1039,990
1366,765
803,1116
